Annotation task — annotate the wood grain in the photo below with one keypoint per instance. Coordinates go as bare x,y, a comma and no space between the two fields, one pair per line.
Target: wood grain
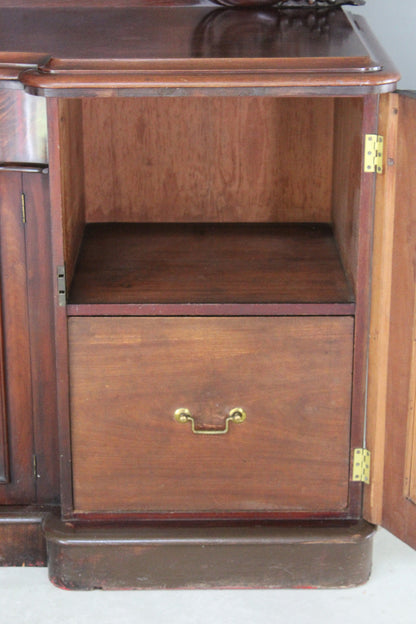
40,278
57,201
21,489
122,34
4,445
210,309
133,263
347,156
292,376
364,232
23,134
409,489
71,168
380,308
226,159
22,542
126,556
108,50
399,513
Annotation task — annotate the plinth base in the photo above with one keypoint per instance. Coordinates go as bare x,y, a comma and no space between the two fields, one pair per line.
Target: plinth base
21,540
205,557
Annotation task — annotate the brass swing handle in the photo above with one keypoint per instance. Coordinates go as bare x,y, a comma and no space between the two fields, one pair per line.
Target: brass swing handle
236,415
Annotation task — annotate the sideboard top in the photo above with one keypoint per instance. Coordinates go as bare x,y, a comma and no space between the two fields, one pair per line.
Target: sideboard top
193,45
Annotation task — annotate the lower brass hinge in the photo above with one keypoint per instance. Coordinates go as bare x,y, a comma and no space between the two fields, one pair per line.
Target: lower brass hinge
35,467
373,154
61,285
361,465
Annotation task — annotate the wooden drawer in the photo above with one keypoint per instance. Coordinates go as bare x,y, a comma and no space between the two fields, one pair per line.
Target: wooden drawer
290,375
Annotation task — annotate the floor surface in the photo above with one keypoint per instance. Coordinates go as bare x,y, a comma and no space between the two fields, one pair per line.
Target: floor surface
389,597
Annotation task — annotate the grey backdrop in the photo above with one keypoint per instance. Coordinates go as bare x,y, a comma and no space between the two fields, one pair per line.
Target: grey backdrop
394,24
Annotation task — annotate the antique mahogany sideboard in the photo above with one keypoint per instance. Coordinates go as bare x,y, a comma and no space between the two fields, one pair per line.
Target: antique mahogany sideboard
207,256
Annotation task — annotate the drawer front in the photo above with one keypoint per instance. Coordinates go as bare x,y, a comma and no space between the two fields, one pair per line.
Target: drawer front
291,376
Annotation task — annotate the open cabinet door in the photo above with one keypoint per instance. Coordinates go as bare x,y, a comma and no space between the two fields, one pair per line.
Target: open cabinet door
391,433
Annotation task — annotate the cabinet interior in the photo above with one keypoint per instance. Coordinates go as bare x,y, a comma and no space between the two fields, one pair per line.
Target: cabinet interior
230,188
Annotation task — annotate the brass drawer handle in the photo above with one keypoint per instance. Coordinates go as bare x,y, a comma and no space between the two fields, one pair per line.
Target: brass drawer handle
236,415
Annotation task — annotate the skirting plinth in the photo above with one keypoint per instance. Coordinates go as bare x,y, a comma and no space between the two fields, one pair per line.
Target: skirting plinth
194,557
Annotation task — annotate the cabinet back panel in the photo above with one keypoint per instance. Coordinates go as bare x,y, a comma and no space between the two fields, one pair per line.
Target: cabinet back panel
210,159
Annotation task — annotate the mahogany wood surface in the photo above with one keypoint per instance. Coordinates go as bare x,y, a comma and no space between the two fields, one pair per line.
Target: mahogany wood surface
409,490
23,136
22,542
58,198
292,377
363,230
191,557
223,159
70,167
170,160
381,286
347,178
204,263
210,309
21,488
121,38
399,512
87,50
4,450
40,282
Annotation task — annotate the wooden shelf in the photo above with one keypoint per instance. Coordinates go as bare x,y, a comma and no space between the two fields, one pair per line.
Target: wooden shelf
209,269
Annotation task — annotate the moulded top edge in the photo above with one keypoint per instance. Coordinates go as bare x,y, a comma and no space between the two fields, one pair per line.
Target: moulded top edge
184,46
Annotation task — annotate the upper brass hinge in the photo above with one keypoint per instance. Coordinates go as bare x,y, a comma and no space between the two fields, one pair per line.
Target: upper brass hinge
361,465
23,204
61,285
374,149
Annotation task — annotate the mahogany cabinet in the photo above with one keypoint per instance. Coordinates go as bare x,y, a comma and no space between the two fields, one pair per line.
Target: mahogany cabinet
207,295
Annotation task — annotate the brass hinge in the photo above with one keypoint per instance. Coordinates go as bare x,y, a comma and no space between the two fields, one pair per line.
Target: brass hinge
35,467
374,148
61,285
361,465
23,203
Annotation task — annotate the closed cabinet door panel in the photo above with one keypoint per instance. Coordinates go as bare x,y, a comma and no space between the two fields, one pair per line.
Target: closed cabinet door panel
17,426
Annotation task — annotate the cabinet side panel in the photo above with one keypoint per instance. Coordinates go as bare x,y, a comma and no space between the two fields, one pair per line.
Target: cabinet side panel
348,140
399,512
216,159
